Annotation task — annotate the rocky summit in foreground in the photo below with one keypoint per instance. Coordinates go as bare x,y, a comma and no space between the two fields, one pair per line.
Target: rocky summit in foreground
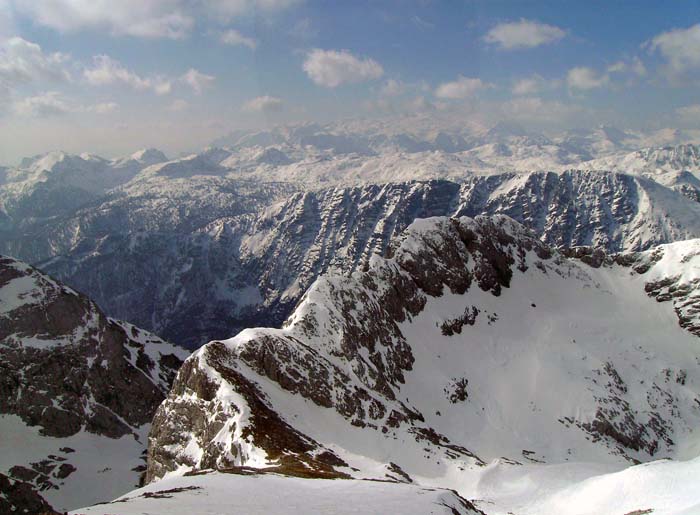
472,357
77,394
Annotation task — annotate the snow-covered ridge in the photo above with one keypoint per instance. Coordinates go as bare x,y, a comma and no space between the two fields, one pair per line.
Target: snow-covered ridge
261,494
79,391
472,344
217,256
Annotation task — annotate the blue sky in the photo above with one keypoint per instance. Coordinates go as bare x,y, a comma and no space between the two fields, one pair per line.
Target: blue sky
112,76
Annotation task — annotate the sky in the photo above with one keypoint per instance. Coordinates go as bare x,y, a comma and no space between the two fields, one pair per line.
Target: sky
112,76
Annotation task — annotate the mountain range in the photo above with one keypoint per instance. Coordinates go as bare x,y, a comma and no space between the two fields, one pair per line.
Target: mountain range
413,319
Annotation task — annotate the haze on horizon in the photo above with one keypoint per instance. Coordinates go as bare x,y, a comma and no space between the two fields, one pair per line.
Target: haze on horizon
108,78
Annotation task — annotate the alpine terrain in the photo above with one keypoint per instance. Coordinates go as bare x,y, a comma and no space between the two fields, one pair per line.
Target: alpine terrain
472,357
79,391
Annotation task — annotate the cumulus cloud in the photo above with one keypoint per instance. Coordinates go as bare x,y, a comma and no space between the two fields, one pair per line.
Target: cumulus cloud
106,71
635,66
523,34
534,84
197,80
680,48
583,78
42,106
331,68
461,88
151,19
52,103
234,38
23,62
173,19
263,104
392,88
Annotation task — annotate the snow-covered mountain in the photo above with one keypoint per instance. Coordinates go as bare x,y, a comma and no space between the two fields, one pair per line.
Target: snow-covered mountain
78,394
57,183
197,263
677,167
472,357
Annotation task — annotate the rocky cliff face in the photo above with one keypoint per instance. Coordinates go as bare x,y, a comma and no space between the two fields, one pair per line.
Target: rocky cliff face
70,377
472,340
211,271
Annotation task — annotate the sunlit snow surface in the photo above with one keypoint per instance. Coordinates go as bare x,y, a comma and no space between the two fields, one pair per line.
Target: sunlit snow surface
663,487
541,360
224,494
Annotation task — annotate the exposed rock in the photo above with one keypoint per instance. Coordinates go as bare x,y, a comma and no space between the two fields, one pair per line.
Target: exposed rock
360,353
66,368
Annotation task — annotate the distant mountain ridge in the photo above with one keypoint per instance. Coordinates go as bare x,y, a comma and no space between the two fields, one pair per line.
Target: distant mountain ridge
240,270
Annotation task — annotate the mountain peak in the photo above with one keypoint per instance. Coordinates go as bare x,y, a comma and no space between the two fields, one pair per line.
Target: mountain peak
149,156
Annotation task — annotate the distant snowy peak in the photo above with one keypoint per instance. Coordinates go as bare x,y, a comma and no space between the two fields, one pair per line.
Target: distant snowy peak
55,183
677,167
73,378
653,161
149,156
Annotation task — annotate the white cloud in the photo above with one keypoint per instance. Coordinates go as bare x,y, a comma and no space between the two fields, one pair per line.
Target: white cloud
178,105
23,62
197,80
680,48
635,66
583,78
264,103
52,103
331,68
173,19
234,38
392,88
106,71
534,84
103,108
42,106
536,110
233,8
420,103
141,18
689,113
523,34
463,87
304,29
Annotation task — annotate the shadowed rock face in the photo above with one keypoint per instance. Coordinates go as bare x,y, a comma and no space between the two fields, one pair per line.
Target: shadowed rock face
352,351
20,497
66,368
218,258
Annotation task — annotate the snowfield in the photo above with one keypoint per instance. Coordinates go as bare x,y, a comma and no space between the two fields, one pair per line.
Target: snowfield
229,494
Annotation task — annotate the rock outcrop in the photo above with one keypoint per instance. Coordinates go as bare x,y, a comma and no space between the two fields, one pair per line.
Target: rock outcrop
471,340
70,374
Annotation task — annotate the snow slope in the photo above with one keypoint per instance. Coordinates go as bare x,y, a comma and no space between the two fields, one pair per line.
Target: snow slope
472,348
260,494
